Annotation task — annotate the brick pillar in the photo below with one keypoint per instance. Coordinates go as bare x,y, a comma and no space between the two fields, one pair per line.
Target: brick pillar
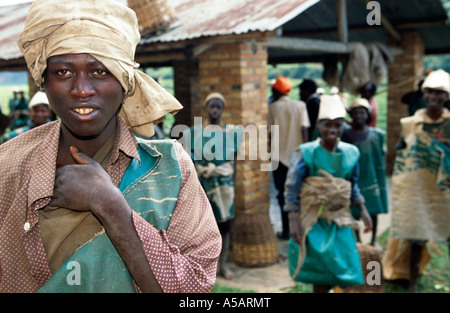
404,75
239,72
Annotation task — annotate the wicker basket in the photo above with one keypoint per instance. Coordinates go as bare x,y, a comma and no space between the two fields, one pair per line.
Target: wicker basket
254,242
153,15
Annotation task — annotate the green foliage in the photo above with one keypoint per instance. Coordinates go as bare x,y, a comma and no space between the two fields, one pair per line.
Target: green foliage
435,62
217,288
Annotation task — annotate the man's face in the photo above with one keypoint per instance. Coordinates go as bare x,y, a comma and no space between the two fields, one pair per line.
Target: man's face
214,109
359,115
434,97
40,114
331,130
83,93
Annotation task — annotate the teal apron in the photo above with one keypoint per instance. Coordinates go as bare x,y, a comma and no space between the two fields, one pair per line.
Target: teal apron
217,146
332,256
372,181
99,266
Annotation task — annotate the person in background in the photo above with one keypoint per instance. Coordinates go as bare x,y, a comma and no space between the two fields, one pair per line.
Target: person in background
18,109
421,183
291,119
308,95
40,114
372,179
322,249
368,91
414,99
213,148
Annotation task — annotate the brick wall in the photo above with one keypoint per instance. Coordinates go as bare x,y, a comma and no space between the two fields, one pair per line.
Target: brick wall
404,75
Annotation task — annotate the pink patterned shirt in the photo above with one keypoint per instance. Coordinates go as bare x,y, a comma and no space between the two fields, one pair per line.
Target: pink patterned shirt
183,258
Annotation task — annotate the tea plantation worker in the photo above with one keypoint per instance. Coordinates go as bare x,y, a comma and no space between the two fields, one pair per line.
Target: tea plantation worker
85,205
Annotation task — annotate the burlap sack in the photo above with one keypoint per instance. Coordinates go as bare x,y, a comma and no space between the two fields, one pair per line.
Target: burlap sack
326,197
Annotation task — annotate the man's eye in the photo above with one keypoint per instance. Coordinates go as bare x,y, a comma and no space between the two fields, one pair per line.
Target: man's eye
100,72
64,73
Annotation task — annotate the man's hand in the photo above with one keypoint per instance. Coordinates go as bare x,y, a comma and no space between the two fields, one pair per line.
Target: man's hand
84,186
366,218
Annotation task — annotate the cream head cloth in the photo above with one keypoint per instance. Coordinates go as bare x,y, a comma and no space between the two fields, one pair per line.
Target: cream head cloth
439,80
109,32
331,107
360,102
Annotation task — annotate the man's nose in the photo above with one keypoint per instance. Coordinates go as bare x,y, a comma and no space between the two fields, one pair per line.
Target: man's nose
83,87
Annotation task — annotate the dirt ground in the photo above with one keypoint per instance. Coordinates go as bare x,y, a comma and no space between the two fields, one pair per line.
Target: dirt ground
275,278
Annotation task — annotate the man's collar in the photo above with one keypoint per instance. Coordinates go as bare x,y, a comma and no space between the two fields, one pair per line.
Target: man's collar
125,142
422,117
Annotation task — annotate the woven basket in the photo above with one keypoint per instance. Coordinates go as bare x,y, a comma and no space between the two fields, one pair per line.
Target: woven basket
254,243
153,15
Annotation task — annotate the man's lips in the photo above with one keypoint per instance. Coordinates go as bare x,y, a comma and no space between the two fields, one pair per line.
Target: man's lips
85,114
83,111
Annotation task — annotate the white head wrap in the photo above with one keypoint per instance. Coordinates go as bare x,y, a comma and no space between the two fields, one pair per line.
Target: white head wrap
360,102
39,97
109,32
331,107
439,80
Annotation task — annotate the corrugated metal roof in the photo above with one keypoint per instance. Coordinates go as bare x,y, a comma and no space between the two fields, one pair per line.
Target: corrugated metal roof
198,18
298,18
12,20
195,18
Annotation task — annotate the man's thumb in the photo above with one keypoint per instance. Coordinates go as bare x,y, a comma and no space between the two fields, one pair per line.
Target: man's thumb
78,156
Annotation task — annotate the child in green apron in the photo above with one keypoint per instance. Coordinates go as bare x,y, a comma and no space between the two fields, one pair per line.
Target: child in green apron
372,181
322,234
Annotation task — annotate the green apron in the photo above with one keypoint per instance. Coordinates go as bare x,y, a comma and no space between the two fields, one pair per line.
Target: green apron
332,256
372,180
99,266
217,146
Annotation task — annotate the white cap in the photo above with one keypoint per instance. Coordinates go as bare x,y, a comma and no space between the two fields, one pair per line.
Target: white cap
331,108
438,79
39,98
360,102
334,90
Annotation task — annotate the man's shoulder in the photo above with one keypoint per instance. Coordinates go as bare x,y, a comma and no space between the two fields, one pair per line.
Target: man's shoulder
32,137
288,103
17,154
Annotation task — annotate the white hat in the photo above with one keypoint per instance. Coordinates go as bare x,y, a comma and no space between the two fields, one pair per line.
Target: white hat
360,102
438,79
331,108
39,98
334,90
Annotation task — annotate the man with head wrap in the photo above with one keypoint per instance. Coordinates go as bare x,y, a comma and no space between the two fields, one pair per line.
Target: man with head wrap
420,184
85,205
